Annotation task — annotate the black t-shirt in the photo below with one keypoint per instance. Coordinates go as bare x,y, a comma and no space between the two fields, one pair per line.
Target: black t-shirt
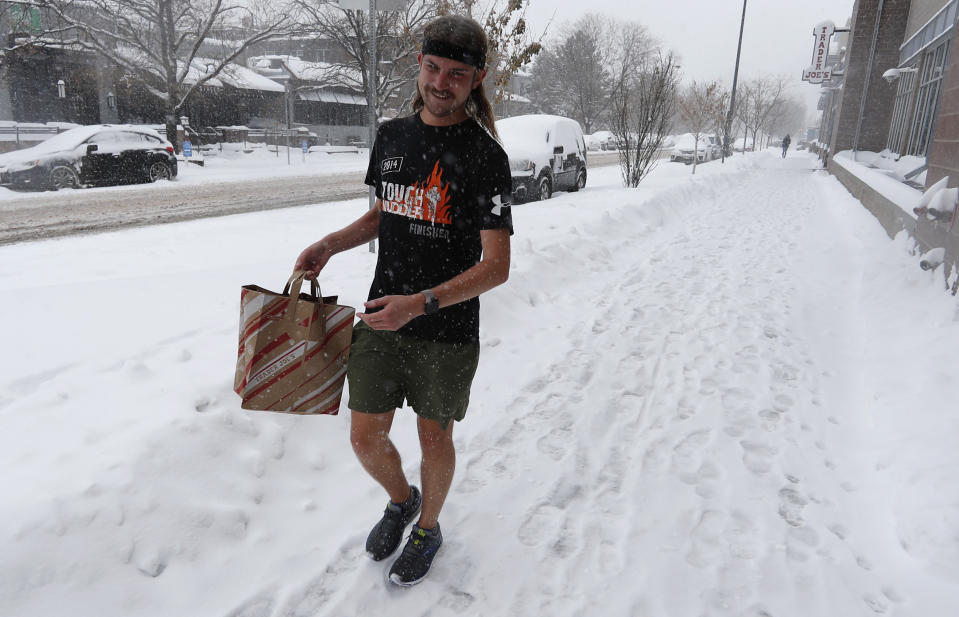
440,186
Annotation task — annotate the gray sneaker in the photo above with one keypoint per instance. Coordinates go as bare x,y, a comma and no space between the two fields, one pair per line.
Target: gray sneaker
414,563
387,534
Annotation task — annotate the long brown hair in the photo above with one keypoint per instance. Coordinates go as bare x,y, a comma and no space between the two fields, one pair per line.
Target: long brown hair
463,32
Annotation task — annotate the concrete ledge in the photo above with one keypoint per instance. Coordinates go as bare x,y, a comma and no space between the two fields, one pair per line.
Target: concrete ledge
927,234
890,215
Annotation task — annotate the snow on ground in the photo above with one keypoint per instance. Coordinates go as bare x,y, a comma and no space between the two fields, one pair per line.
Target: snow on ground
726,394
234,162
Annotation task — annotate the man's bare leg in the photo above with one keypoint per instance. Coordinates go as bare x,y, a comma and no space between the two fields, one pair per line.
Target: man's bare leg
436,470
370,436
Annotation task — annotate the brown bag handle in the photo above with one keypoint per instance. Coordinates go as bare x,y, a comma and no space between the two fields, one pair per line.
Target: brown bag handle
292,288
295,284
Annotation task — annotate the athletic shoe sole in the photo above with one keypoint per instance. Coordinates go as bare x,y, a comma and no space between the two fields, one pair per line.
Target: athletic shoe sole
395,578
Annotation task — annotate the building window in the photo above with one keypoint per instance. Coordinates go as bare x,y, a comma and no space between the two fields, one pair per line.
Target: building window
940,23
930,84
900,112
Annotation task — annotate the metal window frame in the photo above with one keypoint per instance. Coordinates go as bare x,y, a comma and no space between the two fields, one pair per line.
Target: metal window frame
904,101
943,21
927,99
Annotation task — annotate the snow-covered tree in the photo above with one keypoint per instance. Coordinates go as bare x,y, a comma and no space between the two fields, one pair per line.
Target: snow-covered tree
170,47
643,98
700,106
761,97
721,113
398,41
572,77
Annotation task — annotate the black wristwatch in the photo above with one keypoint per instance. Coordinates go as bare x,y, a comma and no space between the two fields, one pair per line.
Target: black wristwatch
432,303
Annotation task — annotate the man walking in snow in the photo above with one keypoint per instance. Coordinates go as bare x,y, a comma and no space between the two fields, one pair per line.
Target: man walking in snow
442,215
786,142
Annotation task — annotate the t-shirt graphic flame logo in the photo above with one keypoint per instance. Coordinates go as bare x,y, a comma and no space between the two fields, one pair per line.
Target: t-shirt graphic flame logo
437,208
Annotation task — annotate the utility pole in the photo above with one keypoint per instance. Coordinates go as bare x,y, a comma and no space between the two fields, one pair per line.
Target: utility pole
288,104
732,96
372,100
372,6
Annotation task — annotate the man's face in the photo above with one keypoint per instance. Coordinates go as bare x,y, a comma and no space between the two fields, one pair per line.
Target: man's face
446,85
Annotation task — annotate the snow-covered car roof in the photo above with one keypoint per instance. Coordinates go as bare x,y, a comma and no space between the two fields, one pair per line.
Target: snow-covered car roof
688,140
602,135
68,140
525,135
531,127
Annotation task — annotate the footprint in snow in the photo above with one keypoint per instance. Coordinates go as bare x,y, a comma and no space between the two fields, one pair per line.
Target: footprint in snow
737,400
538,385
769,419
554,443
758,457
537,523
260,605
840,531
791,504
685,452
877,604
783,403
704,546
489,463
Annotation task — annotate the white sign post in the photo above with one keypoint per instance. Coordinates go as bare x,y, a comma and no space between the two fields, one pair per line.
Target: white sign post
372,6
817,71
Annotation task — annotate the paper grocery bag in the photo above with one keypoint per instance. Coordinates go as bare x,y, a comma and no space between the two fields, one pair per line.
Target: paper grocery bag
293,349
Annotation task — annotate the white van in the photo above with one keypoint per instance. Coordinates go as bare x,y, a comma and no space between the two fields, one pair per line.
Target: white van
546,154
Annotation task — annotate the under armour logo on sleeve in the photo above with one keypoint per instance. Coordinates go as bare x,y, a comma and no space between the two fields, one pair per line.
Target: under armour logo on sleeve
498,205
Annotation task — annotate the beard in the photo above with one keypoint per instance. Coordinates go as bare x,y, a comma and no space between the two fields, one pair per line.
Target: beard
441,103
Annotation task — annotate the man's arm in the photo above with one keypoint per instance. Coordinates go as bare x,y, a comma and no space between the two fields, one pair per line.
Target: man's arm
360,231
492,270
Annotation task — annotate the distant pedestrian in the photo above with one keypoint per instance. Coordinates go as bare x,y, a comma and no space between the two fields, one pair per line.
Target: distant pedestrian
786,142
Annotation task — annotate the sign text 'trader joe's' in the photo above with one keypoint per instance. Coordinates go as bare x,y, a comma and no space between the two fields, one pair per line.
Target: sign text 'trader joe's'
817,72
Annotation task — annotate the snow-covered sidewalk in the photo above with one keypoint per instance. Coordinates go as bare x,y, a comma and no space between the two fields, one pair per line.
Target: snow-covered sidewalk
726,394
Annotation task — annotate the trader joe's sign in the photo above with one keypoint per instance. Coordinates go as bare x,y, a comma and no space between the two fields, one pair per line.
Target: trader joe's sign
817,72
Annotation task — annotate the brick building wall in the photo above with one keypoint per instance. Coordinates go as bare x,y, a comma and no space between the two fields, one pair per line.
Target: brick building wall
880,98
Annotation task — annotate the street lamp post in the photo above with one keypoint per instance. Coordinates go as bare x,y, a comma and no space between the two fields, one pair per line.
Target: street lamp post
732,96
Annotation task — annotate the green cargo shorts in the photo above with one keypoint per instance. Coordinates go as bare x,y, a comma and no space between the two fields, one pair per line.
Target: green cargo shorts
387,368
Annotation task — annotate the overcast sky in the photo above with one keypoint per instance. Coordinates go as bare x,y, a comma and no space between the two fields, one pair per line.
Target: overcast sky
777,38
